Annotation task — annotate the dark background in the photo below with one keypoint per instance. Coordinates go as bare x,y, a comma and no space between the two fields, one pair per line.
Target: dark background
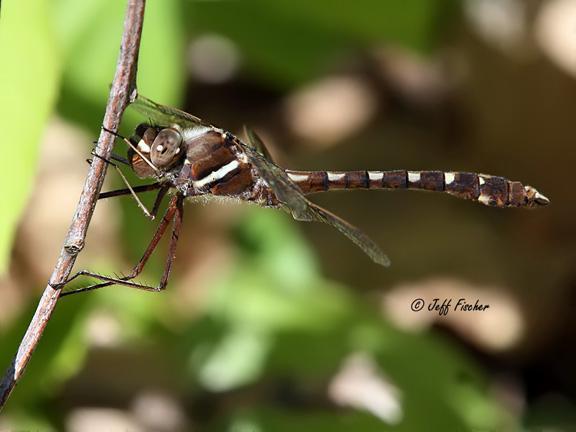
273,325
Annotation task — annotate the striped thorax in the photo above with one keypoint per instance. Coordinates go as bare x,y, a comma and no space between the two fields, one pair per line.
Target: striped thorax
210,161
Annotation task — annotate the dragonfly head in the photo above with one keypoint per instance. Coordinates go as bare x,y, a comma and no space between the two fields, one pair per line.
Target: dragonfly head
162,148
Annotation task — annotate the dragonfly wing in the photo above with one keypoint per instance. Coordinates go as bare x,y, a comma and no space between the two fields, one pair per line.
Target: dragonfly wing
304,210
358,237
165,115
256,142
285,190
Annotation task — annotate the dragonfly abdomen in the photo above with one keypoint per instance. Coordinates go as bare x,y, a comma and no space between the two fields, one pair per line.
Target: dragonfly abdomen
486,189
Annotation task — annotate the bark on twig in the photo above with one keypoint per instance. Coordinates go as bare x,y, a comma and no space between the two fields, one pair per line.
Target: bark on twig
123,86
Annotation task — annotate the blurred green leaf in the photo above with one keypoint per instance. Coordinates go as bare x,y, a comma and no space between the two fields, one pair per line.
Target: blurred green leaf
272,419
90,31
28,83
285,56
287,42
161,64
73,20
281,250
237,360
410,23
274,288
138,312
92,49
437,382
28,421
276,284
301,327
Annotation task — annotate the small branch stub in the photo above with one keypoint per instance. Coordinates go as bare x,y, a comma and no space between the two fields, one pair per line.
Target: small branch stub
74,246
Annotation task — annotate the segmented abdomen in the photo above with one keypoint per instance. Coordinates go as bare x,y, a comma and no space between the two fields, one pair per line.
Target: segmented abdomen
486,189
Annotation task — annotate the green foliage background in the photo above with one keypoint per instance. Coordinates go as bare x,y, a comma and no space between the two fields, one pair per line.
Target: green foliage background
274,316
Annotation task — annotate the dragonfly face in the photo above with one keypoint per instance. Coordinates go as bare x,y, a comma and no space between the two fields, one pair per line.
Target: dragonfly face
163,147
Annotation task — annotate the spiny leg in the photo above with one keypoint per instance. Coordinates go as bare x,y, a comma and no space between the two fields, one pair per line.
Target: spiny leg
113,156
129,190
159,197
176,228
138,201
125,180
136,189
173,213
160,231
120,159
144,188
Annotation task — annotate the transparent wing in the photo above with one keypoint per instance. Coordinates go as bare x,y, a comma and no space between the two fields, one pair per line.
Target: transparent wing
164,115
256,142
303,209
358,237
285,190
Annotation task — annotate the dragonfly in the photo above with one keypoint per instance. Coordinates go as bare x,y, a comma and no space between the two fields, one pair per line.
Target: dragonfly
186,155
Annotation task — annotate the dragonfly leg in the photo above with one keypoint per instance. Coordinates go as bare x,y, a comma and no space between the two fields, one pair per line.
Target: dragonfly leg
120,159
159,197
136,189
133,191
113,156
144,188
129,187
174,214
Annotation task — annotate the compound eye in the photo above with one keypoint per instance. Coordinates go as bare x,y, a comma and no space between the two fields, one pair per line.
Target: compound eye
166,148
141,129
142,141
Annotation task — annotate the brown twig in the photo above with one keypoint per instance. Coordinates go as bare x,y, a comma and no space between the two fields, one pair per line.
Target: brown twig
123,87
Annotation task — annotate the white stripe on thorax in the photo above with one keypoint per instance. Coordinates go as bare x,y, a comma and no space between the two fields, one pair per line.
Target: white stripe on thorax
216,175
